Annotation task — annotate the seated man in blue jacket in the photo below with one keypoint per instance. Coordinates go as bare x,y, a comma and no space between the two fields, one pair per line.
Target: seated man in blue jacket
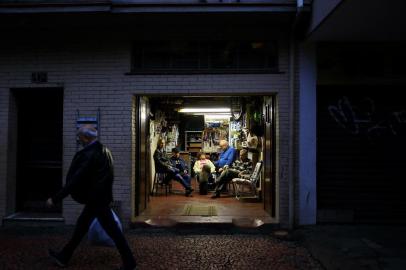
164,165
180,164
227,155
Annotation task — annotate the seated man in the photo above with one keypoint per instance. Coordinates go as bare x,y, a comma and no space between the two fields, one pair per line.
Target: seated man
163,165
237,169
180,164
227,156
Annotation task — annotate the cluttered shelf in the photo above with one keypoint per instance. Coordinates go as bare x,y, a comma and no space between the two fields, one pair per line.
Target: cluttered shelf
193,141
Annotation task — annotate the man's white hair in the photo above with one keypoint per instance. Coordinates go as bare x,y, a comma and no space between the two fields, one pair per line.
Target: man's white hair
87,131
224,142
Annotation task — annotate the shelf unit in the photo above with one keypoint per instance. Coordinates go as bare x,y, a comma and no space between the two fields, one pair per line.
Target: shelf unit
193,141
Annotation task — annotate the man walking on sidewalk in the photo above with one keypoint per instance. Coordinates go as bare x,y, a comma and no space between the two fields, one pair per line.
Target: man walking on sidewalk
90,181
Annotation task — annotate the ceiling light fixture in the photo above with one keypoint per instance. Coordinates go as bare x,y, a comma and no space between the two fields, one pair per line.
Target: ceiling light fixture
205,110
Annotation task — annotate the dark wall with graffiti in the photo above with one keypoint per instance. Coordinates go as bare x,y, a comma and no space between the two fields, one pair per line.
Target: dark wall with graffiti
361,154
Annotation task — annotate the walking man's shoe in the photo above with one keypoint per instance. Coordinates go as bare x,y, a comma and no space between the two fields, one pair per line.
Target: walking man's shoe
61,262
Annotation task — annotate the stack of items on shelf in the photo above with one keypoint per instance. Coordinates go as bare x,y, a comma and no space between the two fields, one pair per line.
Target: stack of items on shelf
193,141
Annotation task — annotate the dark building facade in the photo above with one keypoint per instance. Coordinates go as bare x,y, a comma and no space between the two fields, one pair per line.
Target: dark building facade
360,115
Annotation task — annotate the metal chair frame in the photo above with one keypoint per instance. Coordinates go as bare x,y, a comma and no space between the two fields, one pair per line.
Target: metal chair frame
251,181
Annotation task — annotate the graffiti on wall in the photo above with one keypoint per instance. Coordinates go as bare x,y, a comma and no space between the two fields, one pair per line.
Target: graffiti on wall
362,117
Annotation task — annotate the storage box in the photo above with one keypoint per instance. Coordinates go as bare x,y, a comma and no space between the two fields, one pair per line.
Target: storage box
195,145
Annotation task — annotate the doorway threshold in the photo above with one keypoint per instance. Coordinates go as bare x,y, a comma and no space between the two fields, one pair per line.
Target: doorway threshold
227,212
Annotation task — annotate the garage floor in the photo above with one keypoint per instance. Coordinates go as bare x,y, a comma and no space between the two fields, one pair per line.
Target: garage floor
169,210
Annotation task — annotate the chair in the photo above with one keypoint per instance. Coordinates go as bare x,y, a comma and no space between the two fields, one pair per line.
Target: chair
159,181
212,180
229,185
251,182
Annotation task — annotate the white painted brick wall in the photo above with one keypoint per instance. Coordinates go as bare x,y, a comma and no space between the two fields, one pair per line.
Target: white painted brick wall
92,74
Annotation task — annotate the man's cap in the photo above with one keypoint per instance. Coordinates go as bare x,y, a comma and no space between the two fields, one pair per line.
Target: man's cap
87,131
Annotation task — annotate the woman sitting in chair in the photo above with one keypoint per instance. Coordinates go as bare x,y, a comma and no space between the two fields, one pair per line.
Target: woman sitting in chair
164,165
203,169
237,169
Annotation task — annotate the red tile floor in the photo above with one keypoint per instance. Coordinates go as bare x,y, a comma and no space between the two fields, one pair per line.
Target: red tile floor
167,210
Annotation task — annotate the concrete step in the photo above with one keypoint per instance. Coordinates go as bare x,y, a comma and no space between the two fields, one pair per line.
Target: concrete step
235,225
34,220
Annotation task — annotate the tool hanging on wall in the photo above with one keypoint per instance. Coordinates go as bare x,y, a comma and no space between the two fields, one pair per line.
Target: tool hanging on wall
87,120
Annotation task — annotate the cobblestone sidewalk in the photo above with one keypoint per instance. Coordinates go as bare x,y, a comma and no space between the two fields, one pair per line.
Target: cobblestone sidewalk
159,250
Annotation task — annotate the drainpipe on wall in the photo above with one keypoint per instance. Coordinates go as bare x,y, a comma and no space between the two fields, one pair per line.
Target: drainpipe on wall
292,118
291,128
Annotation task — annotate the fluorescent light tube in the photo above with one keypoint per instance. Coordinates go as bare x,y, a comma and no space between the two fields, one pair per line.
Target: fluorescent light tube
204,110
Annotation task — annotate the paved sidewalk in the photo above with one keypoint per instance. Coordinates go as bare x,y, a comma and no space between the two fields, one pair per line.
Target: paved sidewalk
357,247
334,247
159,249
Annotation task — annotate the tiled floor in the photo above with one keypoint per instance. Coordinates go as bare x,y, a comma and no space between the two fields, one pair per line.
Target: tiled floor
168,210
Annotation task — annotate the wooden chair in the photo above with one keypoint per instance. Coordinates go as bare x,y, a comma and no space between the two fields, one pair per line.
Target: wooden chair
159,181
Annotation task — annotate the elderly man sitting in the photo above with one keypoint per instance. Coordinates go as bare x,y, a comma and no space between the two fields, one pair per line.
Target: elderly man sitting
227,155
237,169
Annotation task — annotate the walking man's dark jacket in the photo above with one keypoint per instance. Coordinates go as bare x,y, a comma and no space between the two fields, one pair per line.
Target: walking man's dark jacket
90,176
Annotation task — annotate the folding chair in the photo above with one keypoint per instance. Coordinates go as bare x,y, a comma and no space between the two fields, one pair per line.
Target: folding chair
251,182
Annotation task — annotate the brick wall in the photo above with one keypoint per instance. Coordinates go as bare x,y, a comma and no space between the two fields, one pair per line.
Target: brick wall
91,70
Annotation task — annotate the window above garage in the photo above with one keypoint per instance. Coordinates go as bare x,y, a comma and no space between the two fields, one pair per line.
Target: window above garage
178,57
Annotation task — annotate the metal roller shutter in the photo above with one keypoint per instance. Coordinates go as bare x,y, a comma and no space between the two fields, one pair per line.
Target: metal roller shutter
361,154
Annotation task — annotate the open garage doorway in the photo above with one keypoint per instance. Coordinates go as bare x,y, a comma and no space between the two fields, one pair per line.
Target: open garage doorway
36,118
196,125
